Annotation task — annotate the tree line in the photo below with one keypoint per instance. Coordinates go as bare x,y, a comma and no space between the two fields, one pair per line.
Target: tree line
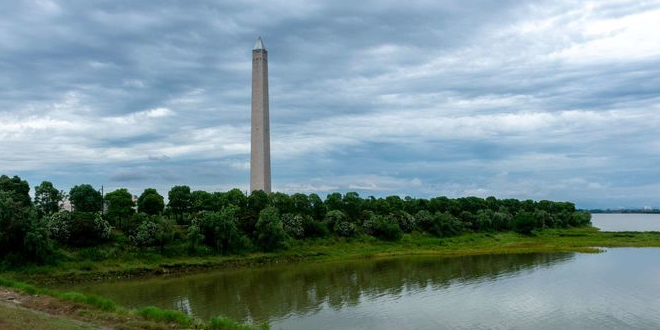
33,229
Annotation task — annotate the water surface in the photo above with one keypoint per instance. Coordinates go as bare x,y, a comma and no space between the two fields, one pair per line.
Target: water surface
626,222
619,289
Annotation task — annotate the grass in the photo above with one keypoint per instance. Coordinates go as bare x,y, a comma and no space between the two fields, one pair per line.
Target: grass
116,261
16,318
111,260
166,316
112,313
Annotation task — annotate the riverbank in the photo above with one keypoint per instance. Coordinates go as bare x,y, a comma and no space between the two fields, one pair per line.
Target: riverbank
108,263
26,307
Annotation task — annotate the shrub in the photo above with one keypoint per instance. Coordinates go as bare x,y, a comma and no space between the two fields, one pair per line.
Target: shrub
524,223
166,315
405,221
223,323
218,230
502,220
424,220
314,229
23,236
580,219
333,217
58,224
269,230
483,221
445,225
293,225
382,227
153,231
345,228
79,228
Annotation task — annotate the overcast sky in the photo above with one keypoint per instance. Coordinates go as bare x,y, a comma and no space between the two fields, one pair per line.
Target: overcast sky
526,99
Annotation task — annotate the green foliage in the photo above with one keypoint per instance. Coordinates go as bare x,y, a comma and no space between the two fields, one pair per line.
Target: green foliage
223,323
179,201
85,198
154,231
444,224
424,220
270,234
345,228
79,228
293,225
281,201
23,236
203,201
406,222
150,202
19,190
382,227
525,222
580,219
314,228
120,207
165,315
93,300
333,217
352,205
219,230
257,201
47,198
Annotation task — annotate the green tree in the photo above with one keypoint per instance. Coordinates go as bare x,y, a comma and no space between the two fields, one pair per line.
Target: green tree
23,236
150,202
179,201
334,202
257,201
281,201
202,201
220,230
383,228
155,231
85,198
444,224
269,229
47,199
79,228
524,222
318,207
352,205
236,197
301,204
120,207
19,189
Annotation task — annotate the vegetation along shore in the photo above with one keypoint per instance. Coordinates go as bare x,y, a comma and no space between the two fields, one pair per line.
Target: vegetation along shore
112,237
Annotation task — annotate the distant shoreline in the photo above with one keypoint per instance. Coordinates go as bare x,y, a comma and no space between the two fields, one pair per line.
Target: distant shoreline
624,211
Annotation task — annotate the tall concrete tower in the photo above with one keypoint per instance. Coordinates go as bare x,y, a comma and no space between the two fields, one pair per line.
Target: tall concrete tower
260,147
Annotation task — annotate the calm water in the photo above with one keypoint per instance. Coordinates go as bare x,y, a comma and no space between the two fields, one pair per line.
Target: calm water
618,289
626,222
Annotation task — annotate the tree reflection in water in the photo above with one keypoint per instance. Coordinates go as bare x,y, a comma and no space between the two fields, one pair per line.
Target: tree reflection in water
275,292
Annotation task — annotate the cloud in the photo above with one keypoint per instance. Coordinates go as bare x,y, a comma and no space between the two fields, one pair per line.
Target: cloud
420,99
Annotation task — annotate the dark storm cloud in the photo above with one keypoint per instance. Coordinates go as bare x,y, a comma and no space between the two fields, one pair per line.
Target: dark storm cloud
544,99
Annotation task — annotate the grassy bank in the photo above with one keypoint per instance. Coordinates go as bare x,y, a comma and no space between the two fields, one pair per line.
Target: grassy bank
25,307
110,261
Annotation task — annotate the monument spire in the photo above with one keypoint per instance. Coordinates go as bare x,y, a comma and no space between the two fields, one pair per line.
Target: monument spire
260,139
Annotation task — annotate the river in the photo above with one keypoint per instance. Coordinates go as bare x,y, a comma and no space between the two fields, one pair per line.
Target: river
618,289
626,222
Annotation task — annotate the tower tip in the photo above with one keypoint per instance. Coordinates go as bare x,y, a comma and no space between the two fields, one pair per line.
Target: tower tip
259,45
